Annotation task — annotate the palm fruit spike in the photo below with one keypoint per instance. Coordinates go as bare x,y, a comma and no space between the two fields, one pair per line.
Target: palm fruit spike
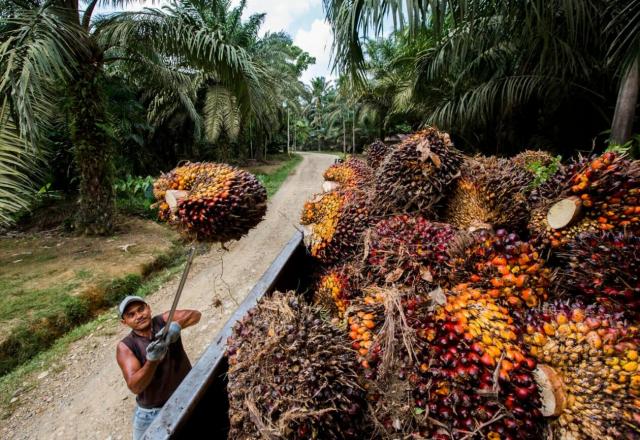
409,250
391,372
350,173
292,375
481,378
337,234
510,270
335,288
594,353
491,192
218,202
605,267
417,174
364,316
530,158
376,153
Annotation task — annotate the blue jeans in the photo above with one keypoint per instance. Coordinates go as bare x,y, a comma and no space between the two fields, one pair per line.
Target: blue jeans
142,418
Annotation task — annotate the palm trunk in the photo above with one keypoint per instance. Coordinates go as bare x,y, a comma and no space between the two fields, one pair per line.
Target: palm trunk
625,112
344,135
93,153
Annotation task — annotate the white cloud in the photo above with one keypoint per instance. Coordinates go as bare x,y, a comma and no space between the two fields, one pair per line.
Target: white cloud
281,14
317,41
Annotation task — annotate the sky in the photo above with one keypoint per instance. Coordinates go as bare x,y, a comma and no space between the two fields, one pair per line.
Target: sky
302,19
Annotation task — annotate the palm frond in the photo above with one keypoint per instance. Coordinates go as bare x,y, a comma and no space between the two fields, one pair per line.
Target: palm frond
38,52
17,167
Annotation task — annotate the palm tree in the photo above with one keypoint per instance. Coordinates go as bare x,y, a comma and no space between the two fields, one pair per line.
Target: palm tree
494,65
53,59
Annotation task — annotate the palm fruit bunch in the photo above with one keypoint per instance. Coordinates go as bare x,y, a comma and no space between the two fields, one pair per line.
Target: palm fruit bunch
409,250
606,195
590,358
376,152
321,206
335,288
221,203
481,377
336,234
530,158
391,366
491,192
351,173
604,266
417,174
508,269
292,375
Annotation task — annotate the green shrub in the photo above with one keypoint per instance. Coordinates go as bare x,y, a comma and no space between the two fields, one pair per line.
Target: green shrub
134,196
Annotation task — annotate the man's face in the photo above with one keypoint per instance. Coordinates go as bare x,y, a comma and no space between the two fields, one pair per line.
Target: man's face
137,315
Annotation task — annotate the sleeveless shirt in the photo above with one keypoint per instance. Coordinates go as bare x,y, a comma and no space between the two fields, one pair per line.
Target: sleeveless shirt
169,372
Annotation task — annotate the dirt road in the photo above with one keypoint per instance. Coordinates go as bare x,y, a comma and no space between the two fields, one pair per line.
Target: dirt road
89,398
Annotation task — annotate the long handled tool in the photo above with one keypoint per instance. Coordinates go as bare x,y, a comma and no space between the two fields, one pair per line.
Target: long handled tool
185,272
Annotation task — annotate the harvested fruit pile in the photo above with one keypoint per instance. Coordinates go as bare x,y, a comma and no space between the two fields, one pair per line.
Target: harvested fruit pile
479,301
211,201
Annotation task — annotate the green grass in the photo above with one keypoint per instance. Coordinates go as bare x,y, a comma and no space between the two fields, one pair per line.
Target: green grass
273,181
18,302
48,314
20,378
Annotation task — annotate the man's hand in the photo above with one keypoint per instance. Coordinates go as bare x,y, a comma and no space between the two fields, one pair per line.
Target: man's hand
173,334
157,350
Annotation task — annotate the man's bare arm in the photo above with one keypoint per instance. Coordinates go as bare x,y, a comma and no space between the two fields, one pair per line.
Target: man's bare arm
137,377
186,318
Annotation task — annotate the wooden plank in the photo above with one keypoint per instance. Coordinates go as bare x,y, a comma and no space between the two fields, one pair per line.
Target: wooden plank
186,397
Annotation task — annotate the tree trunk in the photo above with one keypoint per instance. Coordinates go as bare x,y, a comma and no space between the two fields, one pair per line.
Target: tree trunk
344,135
93,152
353,134
625,112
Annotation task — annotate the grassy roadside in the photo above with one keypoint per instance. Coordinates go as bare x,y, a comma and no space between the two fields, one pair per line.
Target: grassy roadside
21,380
273,181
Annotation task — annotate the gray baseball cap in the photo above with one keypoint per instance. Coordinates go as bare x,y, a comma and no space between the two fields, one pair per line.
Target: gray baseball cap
128,300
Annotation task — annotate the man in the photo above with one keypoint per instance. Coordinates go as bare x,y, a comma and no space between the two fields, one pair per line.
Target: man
153,366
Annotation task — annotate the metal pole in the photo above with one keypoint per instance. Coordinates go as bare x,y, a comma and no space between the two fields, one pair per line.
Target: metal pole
288,135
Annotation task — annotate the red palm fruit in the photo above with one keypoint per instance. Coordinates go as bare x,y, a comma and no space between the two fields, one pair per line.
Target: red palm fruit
502,266
464,370
409,250
605,267
606,190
